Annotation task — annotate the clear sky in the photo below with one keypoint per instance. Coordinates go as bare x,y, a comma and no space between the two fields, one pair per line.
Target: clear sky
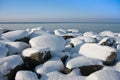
59,10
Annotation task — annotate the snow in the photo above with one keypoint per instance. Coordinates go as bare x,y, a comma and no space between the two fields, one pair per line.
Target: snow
59,32
108,40
16,47
3,51
37,33
9,63
2,77
82,61
54,64
1,30
55,75
107,34
104,75
29,51
97,51
15,35
90,34
76,41
117,66
73,30
88,39
48,41
26,75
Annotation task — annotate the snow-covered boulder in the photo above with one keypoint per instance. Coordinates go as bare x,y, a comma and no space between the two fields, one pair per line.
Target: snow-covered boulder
55,75
37,33
59,32
54,64
9,65
26,75
107,34
105,53
73,30
107,41
35,56
86,65
88,39
48,41
104,75
76,41
3,51
17,35
90,34
82,61
117,66
16,47
2,77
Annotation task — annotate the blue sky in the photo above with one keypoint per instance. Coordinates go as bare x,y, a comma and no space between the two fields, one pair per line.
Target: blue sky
59,10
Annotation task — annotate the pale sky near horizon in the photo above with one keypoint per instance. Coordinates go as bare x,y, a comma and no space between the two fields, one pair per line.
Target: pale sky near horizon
59,10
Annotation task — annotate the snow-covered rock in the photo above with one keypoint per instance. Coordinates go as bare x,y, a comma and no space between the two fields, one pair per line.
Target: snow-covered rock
76,41
73,30
16,47
107,41
37,33
35,56
3,51
26,75
104,75
107,34
59,32
93,50
90,34
82,61
2,77
54,64
48,41
117,66
15,35
55,75
88,39
8,65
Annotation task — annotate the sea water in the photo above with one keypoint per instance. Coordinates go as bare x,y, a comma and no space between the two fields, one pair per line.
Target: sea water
81,26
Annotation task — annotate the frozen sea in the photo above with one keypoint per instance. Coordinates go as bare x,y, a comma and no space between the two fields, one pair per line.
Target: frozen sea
81,26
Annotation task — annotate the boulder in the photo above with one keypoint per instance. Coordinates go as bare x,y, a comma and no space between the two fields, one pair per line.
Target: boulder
105,53
54,64
34,57
55,75
17,35
104,75
10,65
86,65
107,41
26,75
3,51
48,41
82,61
16,47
